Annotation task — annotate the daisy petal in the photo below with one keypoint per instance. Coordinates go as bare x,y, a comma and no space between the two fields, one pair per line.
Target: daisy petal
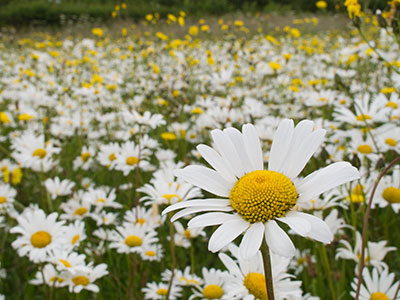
298,225
205,178
213,202
281,145
277,240
230,265
252,240
325,179
237,140
302,150
228,151
226,233
216,161
210,219
192,210
320,231
253,146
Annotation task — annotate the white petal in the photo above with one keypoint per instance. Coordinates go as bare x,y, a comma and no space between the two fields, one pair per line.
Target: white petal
210,219
251,241
277,240
280,145
226,233
230,265
228,151
320,231
206,179
192,210
302,151
237,140
192,203
298,225
216,161
325,179
253,146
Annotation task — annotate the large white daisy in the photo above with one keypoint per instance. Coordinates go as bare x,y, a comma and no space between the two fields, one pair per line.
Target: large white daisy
255,200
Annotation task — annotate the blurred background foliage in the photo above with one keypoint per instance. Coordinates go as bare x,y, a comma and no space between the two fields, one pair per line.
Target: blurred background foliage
54,12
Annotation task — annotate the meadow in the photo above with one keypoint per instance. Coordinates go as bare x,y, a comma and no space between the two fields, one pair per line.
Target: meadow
201,158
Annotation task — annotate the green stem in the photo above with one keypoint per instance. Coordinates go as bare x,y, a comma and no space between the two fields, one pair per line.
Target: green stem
327,267
192,256
172,247
267,270
376,50
365,225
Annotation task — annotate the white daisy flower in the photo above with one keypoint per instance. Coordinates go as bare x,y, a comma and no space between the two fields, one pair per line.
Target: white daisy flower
158,291
247,279
256,199
84,278
379,286
132,238
56,188
39,234
214,286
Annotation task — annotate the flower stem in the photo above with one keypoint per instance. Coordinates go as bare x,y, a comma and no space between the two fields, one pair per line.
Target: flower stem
365,224
325,262
172,247
267,270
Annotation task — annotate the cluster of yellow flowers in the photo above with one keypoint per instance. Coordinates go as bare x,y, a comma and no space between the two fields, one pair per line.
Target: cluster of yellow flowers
353,8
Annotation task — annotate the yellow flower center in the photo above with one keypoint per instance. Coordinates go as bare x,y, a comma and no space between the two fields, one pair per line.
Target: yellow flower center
131,160
255,284
102,200
40,239
358,189
3,199
55,278
379,296
80,280
85,156
187,234
364,149
133,241
65,263
141,221
391,142
170,196
40,152
263,195
150,253
391,104
75,239
391,194
112,157
162,292
363,117
213,291
80,211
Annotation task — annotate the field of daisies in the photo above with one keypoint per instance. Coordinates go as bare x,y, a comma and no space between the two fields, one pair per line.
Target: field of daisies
210,162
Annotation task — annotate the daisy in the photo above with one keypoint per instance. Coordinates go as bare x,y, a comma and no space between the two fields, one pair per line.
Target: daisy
257,199
214,286
379,286
247,280
40,234
107,155
130,157
374,253
132,238
158,291
85,159
7,196
51,277
56,188
84,278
